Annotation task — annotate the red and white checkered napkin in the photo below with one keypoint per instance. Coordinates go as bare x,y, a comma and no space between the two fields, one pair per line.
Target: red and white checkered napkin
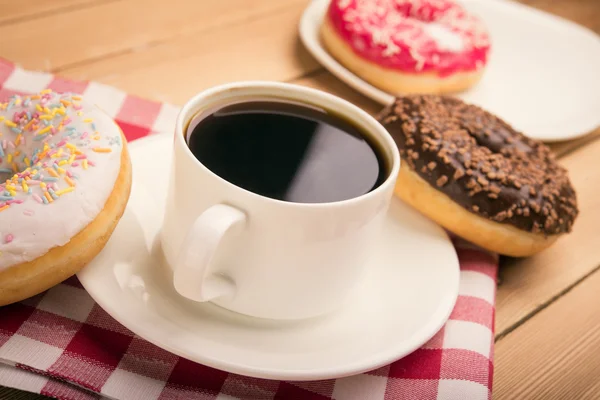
62,344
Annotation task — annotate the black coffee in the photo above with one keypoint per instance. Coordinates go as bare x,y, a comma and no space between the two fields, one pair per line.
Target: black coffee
288,152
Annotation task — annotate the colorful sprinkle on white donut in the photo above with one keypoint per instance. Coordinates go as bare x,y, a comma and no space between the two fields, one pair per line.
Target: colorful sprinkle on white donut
59,160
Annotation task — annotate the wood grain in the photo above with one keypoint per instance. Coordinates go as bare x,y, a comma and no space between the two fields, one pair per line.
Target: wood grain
173,72
123,26
14,394
326,82
530,283
14,11
583,12
564,147
556,355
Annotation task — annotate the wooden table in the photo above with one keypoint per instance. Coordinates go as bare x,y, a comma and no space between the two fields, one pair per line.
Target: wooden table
548,306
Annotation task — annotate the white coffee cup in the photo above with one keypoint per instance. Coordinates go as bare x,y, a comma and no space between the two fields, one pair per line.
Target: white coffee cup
260,256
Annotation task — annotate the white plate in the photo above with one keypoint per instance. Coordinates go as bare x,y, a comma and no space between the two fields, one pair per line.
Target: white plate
407,296
543,76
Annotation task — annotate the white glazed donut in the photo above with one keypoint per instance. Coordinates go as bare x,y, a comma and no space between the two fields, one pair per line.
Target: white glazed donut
407,46
65,178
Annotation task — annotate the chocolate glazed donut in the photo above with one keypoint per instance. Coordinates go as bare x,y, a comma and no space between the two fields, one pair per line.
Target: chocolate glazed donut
519,198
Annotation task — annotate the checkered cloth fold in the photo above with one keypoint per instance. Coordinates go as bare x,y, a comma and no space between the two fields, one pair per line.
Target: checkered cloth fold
62,344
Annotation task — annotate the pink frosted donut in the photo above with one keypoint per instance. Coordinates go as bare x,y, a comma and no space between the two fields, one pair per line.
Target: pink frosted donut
408,46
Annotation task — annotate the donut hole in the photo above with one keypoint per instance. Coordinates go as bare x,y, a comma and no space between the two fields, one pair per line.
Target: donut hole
500,140
7,170
480,139
423,12
428,15
7,173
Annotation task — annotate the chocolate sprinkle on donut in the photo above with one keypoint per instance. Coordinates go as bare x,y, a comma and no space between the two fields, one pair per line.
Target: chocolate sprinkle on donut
482,163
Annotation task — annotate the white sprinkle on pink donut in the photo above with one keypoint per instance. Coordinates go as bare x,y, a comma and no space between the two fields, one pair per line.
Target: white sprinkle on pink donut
412,35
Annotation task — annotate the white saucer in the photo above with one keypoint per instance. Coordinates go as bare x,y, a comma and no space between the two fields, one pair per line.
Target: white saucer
542,77
407,296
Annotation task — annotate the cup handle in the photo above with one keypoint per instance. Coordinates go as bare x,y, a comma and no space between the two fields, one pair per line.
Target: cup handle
192,277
